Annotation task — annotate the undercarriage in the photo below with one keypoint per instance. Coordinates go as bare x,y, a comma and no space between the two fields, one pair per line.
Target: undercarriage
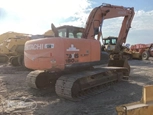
77,85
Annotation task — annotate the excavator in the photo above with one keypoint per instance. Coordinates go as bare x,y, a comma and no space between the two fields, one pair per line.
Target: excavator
109,43
109,46
71,64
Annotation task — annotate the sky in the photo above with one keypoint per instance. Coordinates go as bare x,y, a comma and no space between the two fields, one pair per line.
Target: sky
36,16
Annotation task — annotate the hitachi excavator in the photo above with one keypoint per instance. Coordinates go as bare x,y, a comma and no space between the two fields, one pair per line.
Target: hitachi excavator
71,63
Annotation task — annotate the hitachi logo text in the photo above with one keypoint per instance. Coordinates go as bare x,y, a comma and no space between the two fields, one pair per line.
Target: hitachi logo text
33,46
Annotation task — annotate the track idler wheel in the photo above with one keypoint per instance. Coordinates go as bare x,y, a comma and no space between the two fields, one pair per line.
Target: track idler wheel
14,61
119,63
38,79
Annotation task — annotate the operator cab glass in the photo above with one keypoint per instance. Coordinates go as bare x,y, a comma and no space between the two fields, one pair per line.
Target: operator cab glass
113,41
110,40
106,42
75,34
70,32
62,32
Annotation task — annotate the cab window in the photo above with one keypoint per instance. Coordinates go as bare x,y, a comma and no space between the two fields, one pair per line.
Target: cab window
107,42
62,32
75,35
79,35
113,41
71,35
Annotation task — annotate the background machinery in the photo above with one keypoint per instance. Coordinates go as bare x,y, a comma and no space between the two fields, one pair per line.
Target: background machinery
12,44
69,63
142,51
109,44
12,49
11,34
136,51
142,107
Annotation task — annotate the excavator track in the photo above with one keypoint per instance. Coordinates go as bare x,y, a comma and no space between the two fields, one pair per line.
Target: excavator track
40,79
31,79
87,83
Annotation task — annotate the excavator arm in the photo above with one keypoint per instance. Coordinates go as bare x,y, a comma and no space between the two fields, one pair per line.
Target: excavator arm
107,11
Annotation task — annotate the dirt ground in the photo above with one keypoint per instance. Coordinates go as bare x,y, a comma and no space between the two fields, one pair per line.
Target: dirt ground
16,98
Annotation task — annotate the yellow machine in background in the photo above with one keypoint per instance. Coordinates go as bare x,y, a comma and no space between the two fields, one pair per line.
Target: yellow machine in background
11,34
143,107
109,44
12,46
12,49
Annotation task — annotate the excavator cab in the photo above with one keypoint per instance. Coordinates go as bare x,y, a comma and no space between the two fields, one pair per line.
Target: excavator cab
67,31
109,43
70,31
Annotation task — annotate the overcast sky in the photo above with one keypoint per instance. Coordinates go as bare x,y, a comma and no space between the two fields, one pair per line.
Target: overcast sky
36,16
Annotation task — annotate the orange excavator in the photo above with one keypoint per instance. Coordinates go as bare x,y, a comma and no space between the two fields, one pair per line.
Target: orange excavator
71,63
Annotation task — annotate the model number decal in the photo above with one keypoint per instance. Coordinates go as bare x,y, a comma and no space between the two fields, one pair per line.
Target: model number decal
72,58
73,55
49,45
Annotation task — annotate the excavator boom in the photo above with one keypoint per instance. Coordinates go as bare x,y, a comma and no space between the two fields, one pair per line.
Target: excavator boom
107,11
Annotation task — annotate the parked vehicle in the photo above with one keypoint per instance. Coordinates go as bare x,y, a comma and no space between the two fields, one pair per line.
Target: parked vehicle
142,51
